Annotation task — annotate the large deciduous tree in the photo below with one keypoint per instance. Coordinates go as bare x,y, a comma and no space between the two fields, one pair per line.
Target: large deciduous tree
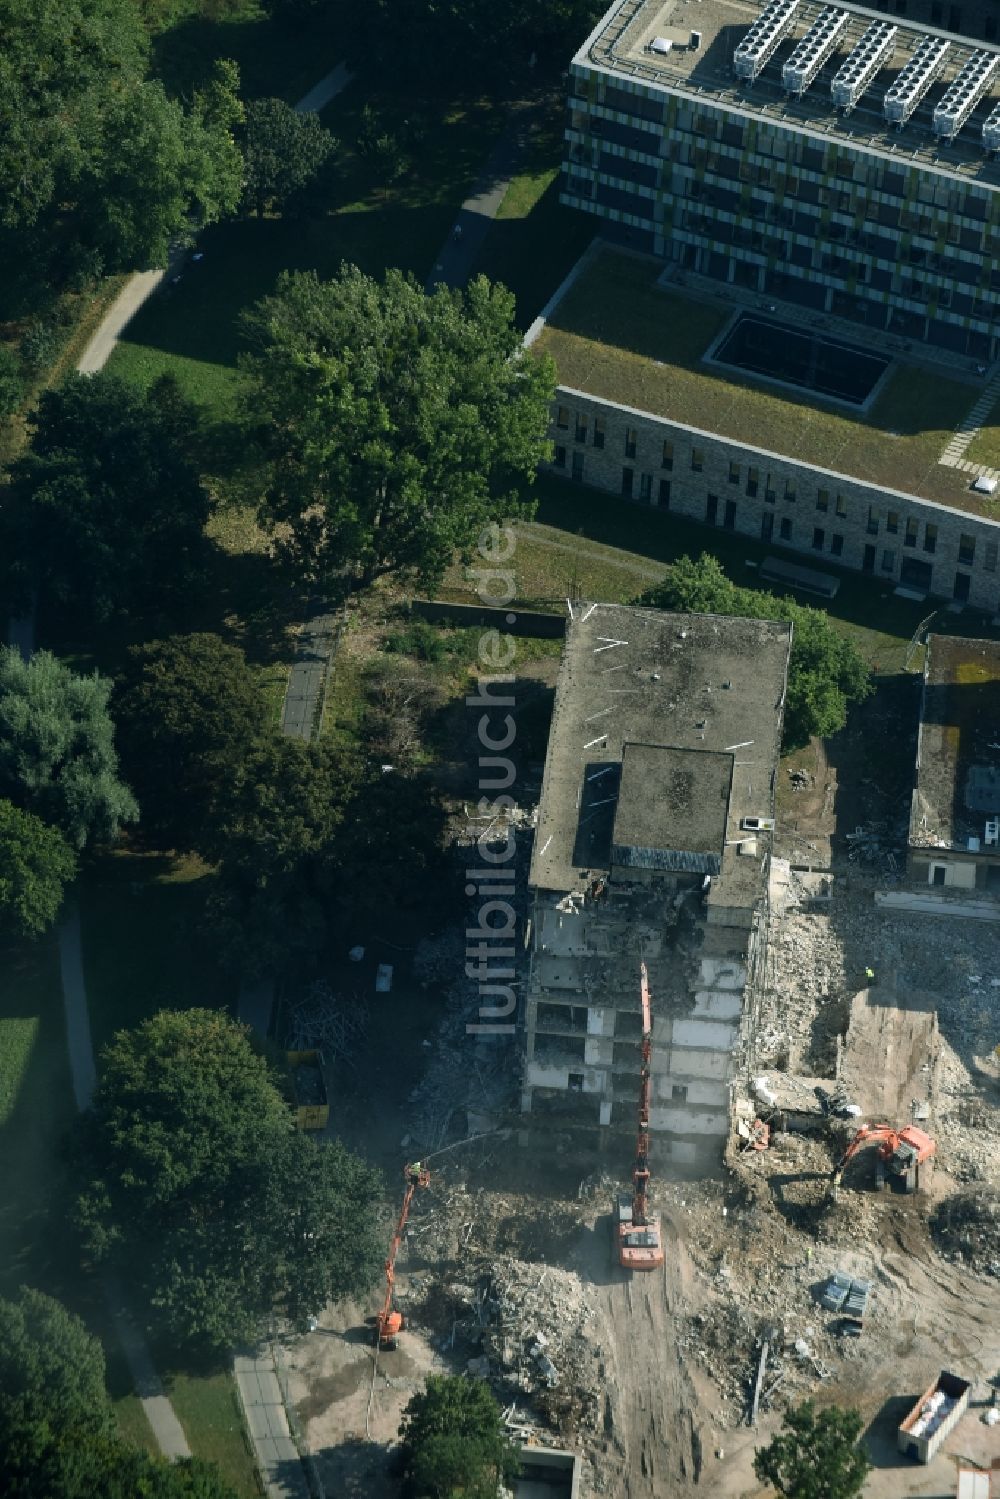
57,753
454,1441
108,509
187,711
283,151
816,1455
197,1185
100,168
58,1437
826,672
36,865
396,423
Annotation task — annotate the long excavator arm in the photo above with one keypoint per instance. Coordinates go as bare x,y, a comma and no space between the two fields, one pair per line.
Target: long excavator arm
390,1322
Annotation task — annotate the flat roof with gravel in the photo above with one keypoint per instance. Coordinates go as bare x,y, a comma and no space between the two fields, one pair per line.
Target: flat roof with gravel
618,335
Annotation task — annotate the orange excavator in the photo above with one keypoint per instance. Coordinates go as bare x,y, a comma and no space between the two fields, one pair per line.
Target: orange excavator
901,1151
639,1243
390,1321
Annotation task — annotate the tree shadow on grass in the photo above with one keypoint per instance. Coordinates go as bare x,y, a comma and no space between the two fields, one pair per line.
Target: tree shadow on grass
532,255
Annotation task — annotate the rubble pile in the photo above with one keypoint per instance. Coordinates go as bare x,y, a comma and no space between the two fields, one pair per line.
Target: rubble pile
966,1230
539,1325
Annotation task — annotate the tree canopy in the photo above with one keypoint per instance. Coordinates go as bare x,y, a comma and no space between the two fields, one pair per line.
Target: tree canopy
187,710
816,1455
100,169
455,1444
197,1185
396,423
57,754
826,671
36,865
283,151
108,507
58,1437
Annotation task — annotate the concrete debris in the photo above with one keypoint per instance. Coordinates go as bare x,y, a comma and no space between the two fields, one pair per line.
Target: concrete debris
966,1229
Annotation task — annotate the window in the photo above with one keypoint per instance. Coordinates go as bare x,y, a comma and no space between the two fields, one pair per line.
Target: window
888,560
753,477
785,529
678,1092
575,1082
598,431
837,545
770,492
646,488
562,417
697,460
581,427
841,507
930,538
966,550
663,498
627,477
990,557
872,521
892,522
734,473
560,458
819,536
766,526
789,491
823,499
578,465
631,438
667,461
712,509
910,539
729,520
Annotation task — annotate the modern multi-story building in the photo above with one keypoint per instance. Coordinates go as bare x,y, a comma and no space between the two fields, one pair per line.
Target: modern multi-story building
653,845
828,155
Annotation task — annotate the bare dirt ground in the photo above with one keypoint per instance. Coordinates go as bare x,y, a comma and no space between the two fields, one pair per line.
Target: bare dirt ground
508,1268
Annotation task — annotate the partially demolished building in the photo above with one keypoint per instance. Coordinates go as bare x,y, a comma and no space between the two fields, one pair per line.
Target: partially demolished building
653,844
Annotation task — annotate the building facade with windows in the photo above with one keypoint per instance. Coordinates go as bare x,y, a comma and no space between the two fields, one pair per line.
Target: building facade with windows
831,156
898,538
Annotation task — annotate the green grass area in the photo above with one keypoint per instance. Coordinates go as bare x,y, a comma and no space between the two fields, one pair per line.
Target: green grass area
208,1409
587,544
142,946
193,329
273,59
618,335
36,1110
534,241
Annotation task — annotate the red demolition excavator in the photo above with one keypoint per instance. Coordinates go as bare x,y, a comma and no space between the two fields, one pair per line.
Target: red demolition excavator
390,1321
902,1152
639,1243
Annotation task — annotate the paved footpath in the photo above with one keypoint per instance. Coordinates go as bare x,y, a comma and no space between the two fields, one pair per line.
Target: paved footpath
140,287
159,1412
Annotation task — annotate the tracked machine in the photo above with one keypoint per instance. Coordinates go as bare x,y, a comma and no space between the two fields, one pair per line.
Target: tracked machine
390,1321
639,1243
900,1152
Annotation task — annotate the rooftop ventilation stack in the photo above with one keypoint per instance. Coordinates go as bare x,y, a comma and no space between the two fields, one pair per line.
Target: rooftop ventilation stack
991,131
813,50
771,26
915,79
964,93
858,70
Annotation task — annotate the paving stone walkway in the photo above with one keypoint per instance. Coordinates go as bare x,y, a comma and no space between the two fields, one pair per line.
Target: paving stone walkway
969,429
264,1407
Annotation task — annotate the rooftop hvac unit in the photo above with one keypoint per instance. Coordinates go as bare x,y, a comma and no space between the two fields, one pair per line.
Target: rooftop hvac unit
695,43
915,79
858,70
964,93
661,45
992,832
757,824
991,131
771,26
813,50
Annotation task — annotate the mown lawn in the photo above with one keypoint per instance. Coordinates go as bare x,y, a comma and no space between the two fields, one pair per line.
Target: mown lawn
207,1407
143,948
618,335
193,329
